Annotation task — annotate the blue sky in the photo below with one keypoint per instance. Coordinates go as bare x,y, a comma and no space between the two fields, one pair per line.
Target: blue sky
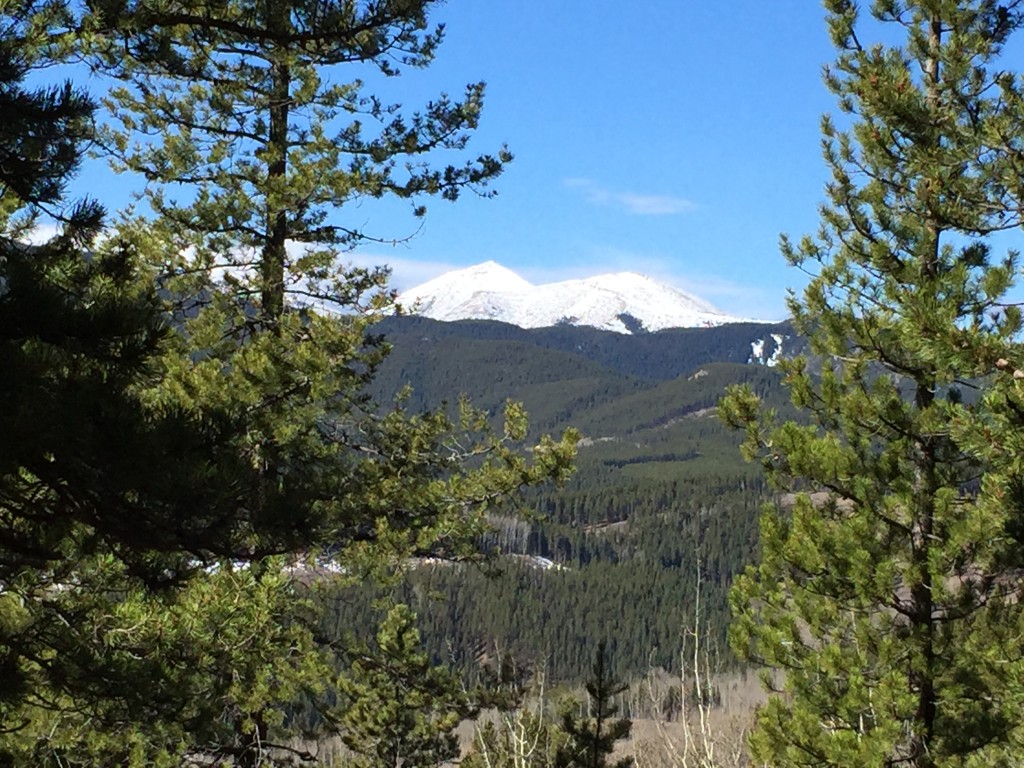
672,138
677,139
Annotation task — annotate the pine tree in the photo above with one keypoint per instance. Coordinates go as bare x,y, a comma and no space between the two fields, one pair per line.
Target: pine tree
241,103
105,503
39,149
44,129
591,740
238,106
175,624
398,708
881,595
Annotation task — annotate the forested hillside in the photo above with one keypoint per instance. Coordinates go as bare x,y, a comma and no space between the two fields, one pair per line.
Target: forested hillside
660,489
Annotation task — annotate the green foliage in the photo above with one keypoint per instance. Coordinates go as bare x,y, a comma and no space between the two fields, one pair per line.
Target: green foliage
187,449
198,671
396,707
882,592
591,740
44,128
104,500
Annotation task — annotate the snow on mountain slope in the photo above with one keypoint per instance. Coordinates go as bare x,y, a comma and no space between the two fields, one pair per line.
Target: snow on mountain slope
454,294
621,302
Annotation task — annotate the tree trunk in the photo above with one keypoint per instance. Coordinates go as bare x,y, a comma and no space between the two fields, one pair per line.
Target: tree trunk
273,257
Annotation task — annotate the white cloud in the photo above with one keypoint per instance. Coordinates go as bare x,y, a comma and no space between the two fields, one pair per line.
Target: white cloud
654,205
631,202
43,233
405,273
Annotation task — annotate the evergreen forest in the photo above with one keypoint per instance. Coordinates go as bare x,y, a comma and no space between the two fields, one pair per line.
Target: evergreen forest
659,498
253,514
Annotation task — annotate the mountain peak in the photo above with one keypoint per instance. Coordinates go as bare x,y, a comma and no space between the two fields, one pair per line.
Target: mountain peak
445,297
626,302
490,274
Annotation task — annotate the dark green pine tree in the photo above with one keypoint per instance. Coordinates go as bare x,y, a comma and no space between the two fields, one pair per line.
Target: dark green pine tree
591,740
161,452
397,708
39,143
43,130
234,106
101,496
881,597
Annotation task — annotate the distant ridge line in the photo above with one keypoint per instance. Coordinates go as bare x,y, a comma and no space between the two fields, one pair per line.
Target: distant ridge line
623,302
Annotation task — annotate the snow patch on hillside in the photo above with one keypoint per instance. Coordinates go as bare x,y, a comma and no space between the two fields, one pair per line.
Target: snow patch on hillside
758,353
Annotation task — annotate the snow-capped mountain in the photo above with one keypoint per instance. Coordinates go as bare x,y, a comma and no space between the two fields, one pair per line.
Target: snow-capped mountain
624,302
